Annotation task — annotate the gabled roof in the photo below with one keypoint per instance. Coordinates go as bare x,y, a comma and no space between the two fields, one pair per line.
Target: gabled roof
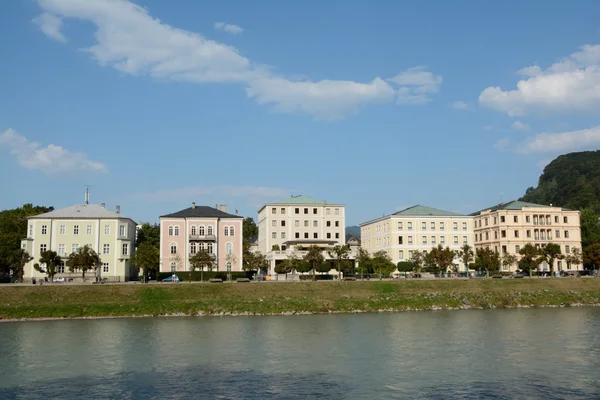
302,200
81,211
201,212
516,205
424,211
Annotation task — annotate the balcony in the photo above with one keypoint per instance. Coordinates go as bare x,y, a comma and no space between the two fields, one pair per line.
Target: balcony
213,255
210,238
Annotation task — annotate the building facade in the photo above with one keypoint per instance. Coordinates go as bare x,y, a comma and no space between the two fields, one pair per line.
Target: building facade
291,225
64,231
185,232
507,227
418,228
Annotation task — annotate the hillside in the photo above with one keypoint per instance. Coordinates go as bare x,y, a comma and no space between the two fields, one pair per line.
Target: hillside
572,181
353,231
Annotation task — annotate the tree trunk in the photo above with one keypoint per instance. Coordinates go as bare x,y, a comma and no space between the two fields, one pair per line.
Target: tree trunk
314,273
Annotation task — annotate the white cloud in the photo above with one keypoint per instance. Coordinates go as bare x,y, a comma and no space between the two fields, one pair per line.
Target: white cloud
51,160
130,40
229,28
584,139
416,85
51,25
502,143
461,105
570,85
520,126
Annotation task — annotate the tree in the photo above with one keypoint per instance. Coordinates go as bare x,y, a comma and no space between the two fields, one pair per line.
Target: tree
254,261
148,233
84,259
382,263
303,267
292,262
17,262
364,261
314,257
442,258
467,256
339,253
202,259
489,259
249,228
324,267
282,268
590,228
230,259
52,260
508,260
591,256
529,258
573,258
405,266
549,253
146,257
417,259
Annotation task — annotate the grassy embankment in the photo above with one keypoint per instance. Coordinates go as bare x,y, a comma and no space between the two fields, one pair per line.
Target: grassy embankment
64,301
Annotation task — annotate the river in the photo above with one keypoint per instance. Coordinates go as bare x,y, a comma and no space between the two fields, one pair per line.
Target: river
492,354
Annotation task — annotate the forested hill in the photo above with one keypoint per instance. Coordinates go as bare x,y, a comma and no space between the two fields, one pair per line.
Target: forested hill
570,181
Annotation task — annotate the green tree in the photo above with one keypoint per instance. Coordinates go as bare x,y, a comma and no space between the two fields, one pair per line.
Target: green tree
17,261
549,253
292,262
467,256
442,258
51,260
201,260
84,259
591,256
314,257
148,233
508,260
249,228
574,257
382,263
364,261
146,257
339,253
303,267
282,267
590,228
489,259
254,261
324,267
405,266
529,258
418,260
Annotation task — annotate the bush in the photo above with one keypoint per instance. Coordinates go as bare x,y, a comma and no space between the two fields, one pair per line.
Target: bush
320,277
197,275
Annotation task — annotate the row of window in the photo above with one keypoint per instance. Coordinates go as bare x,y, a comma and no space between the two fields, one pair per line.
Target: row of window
282,235
201,231
315,211
62,249
315,223
174,267
424,240
88,231
401,225
537,220
504,249
201,246
537,234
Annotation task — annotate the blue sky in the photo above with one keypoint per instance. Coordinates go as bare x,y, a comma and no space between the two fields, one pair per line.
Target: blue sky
378,105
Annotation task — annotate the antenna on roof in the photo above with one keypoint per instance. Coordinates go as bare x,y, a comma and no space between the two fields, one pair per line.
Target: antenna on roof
501,198
87,194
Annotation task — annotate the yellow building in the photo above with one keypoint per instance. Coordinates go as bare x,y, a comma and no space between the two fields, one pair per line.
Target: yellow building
417,228
507,227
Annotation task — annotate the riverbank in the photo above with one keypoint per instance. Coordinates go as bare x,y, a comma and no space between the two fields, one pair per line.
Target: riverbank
138,300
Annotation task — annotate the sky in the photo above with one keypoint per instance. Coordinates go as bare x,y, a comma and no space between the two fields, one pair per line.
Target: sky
378,105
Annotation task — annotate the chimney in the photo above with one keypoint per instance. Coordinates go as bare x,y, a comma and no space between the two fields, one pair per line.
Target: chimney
118,209
102,205
223,207
193,204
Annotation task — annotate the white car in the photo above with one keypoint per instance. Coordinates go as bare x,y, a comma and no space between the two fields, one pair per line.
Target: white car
57,280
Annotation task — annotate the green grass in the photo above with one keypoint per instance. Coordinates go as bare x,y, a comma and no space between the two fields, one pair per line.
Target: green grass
64,301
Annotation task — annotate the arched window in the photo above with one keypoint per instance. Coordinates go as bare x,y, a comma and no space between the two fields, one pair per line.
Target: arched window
487,236
173,266
193,248
173,248
209,248
210,230
231,231
202,245
226,233
170,231
193,229
228,265
229,248
176,231
201,230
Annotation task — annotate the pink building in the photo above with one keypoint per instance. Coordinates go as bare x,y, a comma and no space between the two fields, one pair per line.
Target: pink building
183,233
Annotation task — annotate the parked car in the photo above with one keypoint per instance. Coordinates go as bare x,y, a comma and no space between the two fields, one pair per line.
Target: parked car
173,278
58,280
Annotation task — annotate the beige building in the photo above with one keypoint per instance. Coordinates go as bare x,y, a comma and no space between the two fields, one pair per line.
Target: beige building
298,222
64,231
417,228
507,227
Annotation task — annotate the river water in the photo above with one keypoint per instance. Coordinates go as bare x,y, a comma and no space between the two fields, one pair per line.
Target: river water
494,354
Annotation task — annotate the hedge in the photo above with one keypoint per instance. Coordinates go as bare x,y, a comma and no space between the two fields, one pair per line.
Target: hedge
206,275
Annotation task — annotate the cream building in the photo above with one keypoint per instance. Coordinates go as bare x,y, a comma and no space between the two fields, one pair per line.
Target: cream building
298,222
507,227
64,231
417,228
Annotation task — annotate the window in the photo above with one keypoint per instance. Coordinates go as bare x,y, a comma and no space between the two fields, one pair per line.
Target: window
315,235
105,267
226,231
401,254
528,233
557,234
283,210
409,226
273,223
504,249
201,230
410,240
228,248
123,231
30,230
556,219
400,240
337,235
209,248
567,249
43,247
274,210
170,231
486,221
442,240
296,223
423,226
314,210
337,223
297,235
125,249
106,249
74,248
410,254
328,211
516,218
328,235
527,219
209,230
424,240
566,220
60,269
45,229
566,234
228,266
274,235
464,226
465,240
433,226
173,267
297,210
193,230
337,211
283,235
305,235
502,218
283,223
193,248
306,223
328,223
455,240
399,226
173,248
433,241
487,236
441,226
503,234
306,211
88,230
315,224
516,234
61,249
495,220
63,229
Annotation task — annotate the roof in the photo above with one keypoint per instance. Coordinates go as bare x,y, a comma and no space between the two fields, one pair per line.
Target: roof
81,211
302,200
423,211
515,205
201,212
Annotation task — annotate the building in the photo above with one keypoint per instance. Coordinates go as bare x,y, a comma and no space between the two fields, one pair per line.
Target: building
293,224
64,231
417,228
185,232
507,227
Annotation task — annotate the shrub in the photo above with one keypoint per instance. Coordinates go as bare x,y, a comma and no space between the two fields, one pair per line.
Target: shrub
197,275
